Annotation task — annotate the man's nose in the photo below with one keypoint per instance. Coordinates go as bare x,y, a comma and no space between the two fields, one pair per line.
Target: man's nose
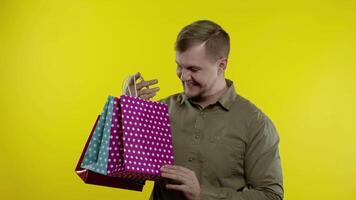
185,75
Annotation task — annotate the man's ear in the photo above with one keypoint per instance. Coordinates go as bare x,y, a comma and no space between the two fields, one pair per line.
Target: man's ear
222,64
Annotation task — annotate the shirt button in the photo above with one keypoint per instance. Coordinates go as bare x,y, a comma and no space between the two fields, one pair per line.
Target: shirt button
190,159
196,136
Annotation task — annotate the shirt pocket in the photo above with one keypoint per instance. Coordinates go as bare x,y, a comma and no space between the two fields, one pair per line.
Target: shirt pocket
227,155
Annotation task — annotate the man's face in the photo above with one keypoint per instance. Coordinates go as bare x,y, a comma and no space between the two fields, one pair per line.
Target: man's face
197,72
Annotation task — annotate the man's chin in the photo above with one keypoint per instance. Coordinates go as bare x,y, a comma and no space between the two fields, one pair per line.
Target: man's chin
191,95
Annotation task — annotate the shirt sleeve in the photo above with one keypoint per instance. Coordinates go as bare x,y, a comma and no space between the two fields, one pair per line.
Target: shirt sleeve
262,166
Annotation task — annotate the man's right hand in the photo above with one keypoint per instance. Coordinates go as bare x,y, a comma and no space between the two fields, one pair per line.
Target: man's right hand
143,89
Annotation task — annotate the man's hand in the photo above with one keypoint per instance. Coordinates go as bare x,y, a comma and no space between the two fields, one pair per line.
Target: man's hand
142,88
189,183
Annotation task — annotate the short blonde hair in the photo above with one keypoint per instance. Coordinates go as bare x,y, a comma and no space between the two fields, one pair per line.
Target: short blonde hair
217,41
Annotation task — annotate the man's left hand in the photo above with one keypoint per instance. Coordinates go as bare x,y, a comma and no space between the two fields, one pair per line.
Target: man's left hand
189,183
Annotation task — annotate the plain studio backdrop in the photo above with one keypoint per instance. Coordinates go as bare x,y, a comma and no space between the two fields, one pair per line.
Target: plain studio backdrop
59,60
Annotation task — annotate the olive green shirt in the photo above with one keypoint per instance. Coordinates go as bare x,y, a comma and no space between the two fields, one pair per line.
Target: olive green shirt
231,146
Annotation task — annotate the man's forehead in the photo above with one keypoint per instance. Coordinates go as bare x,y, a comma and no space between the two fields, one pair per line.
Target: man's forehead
194,55
188,62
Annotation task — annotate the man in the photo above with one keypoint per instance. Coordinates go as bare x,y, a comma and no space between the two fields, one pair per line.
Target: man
224,146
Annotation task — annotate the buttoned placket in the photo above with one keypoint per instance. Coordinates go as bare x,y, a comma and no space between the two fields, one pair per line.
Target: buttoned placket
197,134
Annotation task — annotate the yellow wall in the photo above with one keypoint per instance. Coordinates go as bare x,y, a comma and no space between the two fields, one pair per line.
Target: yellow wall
60,59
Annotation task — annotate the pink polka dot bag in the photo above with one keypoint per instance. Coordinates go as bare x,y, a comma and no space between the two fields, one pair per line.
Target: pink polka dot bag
132,140
140,140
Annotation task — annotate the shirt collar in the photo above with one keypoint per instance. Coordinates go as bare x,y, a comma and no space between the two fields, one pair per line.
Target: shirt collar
226,100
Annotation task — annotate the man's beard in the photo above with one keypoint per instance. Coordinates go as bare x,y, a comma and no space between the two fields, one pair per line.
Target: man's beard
194,97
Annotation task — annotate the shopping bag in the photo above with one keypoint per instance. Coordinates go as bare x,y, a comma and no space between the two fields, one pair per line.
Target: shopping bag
91,177
96,156
141,137
132,139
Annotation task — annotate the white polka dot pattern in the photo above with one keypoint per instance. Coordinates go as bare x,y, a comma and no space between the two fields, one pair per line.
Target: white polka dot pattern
95,158
140,140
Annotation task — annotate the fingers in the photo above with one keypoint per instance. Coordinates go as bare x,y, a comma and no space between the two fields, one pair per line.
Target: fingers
147,91
142,93
135,77
179,174
186,178
183,188
177,168
147,96
175,177
143,84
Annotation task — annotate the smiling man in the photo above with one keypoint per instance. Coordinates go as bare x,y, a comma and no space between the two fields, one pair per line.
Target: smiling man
225,147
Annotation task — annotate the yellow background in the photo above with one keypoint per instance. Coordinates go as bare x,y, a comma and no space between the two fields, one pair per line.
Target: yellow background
60,59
